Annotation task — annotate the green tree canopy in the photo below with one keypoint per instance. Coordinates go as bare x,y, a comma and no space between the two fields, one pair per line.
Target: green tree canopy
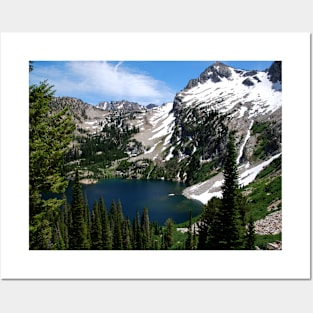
79,229
49,138
227,231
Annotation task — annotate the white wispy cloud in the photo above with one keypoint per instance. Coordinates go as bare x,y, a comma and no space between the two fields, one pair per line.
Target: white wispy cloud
99,81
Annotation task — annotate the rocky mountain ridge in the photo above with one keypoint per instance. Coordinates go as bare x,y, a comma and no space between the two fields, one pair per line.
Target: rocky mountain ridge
218,71
79,110
190,135
120,105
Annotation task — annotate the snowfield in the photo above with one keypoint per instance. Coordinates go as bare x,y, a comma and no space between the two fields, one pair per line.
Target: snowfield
206,190
261,98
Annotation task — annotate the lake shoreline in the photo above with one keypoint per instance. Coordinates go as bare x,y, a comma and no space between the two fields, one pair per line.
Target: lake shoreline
88,181
163,199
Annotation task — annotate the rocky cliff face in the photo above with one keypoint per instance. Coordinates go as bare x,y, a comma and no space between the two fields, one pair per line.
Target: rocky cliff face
247,102
80,110
120,105
275,72
215,73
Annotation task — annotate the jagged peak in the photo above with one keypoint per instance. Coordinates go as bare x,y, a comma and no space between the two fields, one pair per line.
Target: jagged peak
217,65
119,104
274,72
215,72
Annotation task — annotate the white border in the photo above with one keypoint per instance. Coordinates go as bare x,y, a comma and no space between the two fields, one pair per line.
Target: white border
17,262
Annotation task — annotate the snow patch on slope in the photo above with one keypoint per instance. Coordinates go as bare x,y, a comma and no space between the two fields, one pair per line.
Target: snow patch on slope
156,131
244,143
163,122
206,190
249,175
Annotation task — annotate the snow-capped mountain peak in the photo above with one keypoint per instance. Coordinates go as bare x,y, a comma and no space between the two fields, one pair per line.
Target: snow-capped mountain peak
226,89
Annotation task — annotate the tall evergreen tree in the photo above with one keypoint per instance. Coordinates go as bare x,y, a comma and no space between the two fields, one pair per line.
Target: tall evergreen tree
127,235
105,226
88,220
137,233
168,237
120,214
116,226
65,222
190,238
226,232
59,233
78,230
145,226
206,219
60,240
96,228
49,137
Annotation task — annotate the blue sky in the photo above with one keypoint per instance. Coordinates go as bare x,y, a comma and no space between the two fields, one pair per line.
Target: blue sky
139,81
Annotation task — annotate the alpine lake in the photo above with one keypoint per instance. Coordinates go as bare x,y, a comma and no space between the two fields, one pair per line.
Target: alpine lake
163,199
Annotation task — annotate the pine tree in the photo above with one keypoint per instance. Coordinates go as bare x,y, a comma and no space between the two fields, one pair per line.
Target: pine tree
226,232
127,235
244,208
206,219
96,228
105,225
78,230
168,234
88,221
116,226
59,230
49,136
189,245
120,214
59,234
138,235
145,226
65,222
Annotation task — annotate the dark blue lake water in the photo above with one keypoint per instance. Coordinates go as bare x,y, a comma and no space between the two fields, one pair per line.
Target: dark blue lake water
163,199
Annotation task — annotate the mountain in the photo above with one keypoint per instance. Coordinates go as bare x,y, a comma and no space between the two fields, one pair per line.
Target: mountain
224,99
186,140
215,73
274,73
120,105
151,106
240,98
80,110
